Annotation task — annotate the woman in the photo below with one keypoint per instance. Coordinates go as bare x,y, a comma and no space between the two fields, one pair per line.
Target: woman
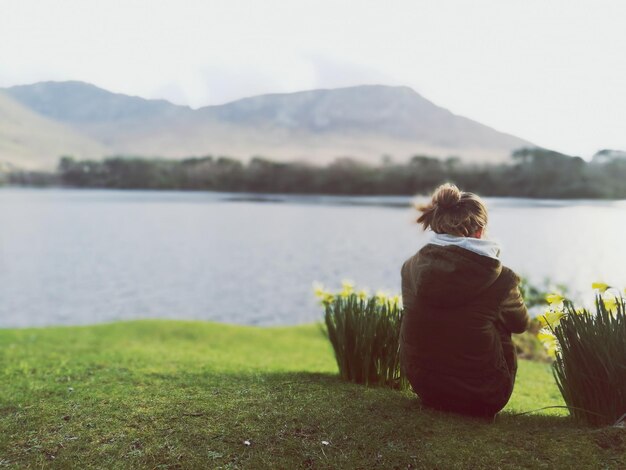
460,308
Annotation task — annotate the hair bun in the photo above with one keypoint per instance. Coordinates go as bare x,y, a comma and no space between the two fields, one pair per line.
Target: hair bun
446,196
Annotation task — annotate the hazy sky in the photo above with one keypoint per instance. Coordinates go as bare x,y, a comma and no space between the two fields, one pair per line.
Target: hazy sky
553,72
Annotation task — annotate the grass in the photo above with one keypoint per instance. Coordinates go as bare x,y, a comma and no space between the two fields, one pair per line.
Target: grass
171,394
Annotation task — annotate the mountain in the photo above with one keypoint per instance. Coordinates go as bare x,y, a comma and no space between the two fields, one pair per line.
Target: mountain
30,140
79,102
608,155
364,122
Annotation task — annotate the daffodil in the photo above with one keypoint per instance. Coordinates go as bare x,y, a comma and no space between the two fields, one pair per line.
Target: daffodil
550,317
347,284
601,286
381,297
545,335
395,300
554,299
610,302
318,289
328,298
363,294
347,288
551,349
549,341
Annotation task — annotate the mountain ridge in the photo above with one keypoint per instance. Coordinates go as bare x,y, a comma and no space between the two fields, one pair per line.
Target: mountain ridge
364,121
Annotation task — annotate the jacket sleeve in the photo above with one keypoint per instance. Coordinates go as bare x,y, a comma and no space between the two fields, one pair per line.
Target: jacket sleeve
513,311
407,288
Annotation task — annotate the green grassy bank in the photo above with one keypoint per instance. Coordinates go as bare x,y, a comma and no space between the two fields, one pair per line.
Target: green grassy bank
170,394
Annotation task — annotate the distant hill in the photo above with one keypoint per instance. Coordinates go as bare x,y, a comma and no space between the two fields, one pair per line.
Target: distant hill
364,122
607,155
30,140
79,102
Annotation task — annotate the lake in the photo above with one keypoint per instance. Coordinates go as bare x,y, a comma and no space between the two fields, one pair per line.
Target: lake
91,256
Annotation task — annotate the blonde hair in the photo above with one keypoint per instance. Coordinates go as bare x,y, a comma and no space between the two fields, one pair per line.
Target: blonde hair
454,212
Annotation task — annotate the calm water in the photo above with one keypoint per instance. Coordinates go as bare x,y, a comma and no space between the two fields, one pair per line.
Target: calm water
80,257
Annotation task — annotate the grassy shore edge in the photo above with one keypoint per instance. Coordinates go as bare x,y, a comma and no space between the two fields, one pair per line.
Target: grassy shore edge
190,394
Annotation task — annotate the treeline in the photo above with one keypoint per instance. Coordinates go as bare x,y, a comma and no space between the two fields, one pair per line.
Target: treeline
532,172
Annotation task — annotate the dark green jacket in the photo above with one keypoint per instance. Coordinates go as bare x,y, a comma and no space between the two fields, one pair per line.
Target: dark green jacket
460,308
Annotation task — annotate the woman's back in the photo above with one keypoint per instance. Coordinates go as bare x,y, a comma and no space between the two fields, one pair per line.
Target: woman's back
460,307
452,298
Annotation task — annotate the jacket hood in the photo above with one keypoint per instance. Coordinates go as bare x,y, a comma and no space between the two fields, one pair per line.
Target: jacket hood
482,246
450,275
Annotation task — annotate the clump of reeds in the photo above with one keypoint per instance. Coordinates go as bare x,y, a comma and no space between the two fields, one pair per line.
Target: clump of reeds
590,355
364,331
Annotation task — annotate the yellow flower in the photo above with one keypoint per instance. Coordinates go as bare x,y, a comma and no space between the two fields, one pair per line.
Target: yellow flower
328,298
553,299
381,297
318,290
363,294
550,317
601,286
551,349
549,341
395,301
545,335
348,288
347,284
610,302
